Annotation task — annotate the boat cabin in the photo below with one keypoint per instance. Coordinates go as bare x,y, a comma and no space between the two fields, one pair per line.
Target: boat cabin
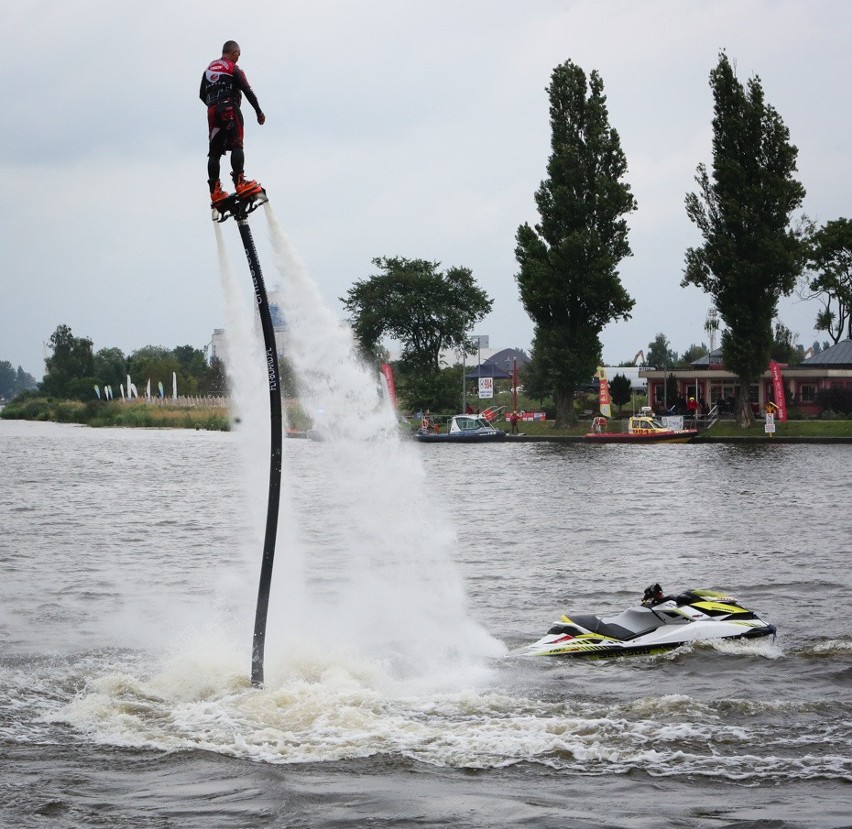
469,423
645,424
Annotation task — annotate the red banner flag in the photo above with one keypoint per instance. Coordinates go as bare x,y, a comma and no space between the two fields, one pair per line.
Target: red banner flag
778,391
387,373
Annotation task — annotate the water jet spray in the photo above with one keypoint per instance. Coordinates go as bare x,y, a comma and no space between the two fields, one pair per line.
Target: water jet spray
240,208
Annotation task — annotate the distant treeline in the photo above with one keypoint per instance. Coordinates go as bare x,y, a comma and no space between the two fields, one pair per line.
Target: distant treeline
14,382
74,370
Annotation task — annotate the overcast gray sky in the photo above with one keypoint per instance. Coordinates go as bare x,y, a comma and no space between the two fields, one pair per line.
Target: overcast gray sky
394,127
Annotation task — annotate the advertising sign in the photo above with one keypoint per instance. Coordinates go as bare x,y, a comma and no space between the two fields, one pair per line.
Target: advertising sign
603,393
769,426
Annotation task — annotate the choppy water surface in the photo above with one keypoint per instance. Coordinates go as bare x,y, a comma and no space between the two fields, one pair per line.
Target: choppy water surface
406,581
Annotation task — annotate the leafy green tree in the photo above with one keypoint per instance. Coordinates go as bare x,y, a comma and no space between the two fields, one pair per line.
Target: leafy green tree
830,266
13,382
191,360
750,256
215,378
536,386
426,310
660,354
24,381
193,370
7,379
156,363
693,353
620,390
784,347
71,360
439,392
110,367
672,391
568,277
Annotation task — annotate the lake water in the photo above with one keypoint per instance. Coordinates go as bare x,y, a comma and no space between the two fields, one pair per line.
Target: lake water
408,577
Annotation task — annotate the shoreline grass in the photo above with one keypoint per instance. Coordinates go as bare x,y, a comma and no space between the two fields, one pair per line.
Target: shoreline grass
789,429
119,414
141,414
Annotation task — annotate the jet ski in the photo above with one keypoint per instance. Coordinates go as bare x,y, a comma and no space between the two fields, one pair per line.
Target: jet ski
658,624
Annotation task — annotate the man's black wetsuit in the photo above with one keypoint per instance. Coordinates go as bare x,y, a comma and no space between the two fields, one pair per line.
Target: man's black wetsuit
222,87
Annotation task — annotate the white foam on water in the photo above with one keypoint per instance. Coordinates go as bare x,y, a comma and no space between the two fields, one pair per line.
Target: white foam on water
766,647
339,709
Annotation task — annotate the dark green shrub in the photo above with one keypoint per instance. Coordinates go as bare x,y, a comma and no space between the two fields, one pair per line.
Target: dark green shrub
836,399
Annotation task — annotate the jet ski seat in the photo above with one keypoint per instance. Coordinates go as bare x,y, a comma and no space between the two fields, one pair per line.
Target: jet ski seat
627,625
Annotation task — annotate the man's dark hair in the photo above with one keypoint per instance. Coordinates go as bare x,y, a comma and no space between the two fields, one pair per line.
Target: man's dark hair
229,46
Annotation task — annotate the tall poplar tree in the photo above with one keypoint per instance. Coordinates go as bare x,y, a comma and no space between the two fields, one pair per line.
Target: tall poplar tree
751,256
568,277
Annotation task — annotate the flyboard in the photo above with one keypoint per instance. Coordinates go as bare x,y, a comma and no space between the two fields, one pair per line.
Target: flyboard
239,207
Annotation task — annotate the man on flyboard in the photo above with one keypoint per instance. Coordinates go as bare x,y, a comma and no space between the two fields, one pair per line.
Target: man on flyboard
222,87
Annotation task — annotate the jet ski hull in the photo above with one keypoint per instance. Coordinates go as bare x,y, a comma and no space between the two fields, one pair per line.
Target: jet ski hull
694,616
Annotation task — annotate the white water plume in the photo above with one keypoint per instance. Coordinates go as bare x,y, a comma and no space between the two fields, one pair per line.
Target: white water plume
242,351
379,574
245,361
